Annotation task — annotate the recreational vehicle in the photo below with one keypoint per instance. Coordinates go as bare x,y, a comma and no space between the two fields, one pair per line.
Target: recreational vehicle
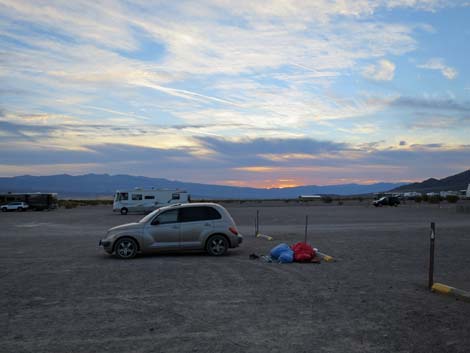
35,200
146,200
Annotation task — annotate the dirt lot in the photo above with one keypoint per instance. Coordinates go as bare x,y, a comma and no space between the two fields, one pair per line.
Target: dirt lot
60,293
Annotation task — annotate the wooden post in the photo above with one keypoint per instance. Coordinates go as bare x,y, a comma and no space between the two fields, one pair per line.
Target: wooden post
306,228
431,255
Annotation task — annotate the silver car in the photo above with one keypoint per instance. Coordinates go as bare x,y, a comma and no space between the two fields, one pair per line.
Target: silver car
190,226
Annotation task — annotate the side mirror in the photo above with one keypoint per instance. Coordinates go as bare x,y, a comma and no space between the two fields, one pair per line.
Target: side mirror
155,222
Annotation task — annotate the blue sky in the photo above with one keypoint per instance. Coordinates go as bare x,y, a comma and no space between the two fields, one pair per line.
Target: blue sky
245,93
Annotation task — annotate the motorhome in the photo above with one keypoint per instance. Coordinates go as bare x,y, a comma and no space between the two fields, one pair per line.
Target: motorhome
37,201
147,200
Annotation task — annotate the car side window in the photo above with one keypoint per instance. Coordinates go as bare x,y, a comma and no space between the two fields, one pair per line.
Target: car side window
166,217
194,214
212,213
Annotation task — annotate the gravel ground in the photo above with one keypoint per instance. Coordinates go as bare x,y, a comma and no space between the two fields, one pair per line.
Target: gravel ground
60,293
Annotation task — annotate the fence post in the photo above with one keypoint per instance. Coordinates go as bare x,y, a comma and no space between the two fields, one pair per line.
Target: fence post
431,255
306,228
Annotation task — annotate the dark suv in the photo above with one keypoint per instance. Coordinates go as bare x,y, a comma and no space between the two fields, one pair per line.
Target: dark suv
387,201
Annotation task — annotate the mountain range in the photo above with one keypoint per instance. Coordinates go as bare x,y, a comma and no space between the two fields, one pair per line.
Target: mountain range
451,183
104,185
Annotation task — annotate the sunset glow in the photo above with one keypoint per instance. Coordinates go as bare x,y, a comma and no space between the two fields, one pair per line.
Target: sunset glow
253,94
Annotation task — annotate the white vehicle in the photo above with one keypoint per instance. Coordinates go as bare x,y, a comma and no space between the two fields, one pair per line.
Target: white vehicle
411,195
14,206
147,200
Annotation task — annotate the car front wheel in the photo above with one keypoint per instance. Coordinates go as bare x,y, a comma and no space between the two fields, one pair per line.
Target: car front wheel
126,248
217,245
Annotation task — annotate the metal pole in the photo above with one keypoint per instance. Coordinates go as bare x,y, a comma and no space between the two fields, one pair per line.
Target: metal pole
431,256
306,228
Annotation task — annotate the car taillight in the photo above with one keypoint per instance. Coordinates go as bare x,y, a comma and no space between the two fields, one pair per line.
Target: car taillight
233,230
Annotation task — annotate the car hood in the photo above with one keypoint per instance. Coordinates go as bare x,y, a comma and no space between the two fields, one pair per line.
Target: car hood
127,226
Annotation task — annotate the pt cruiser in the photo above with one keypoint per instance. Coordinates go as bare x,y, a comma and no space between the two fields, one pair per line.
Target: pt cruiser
190,226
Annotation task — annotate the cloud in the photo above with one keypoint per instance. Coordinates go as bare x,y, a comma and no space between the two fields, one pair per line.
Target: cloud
236,86
245,162
438,64
384,70
241,147
432,103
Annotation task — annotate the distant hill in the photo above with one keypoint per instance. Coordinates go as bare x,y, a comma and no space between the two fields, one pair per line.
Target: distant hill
99,185
452,183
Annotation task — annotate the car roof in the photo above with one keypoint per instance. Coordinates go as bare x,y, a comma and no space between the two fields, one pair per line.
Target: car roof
193,204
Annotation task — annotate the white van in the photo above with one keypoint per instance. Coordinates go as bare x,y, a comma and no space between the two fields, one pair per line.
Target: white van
147,200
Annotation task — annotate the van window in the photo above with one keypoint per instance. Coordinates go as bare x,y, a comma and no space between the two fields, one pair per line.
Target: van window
194,214
123,196
175,196
136,197
149,197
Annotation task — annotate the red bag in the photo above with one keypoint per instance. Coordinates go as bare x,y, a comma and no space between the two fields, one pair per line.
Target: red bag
303,252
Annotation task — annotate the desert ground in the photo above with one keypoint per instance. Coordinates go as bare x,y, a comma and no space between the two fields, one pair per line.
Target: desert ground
61,293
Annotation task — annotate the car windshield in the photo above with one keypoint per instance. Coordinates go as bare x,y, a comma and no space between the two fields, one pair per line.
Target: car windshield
149,216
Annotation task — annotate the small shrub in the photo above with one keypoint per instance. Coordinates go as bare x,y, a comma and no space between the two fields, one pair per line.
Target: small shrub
418,199
452,198
425,198
340,203
327,199
434,199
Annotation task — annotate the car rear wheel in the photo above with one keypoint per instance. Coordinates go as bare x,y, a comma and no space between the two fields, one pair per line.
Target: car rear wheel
126,248
4,209
20,209
217,245
124,211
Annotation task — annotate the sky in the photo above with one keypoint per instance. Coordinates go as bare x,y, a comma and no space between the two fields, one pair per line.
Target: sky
246,93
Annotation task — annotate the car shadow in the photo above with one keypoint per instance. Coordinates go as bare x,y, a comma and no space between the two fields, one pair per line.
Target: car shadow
172,254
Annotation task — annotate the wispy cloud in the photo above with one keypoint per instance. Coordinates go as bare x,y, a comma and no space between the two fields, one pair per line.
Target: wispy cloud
239,85
438,64
384,70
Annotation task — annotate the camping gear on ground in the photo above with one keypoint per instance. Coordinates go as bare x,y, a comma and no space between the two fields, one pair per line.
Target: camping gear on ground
299,252
286,257
264,236
325,257
303,252
279,249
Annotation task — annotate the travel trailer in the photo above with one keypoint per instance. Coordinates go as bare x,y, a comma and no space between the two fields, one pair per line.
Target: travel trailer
147,200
